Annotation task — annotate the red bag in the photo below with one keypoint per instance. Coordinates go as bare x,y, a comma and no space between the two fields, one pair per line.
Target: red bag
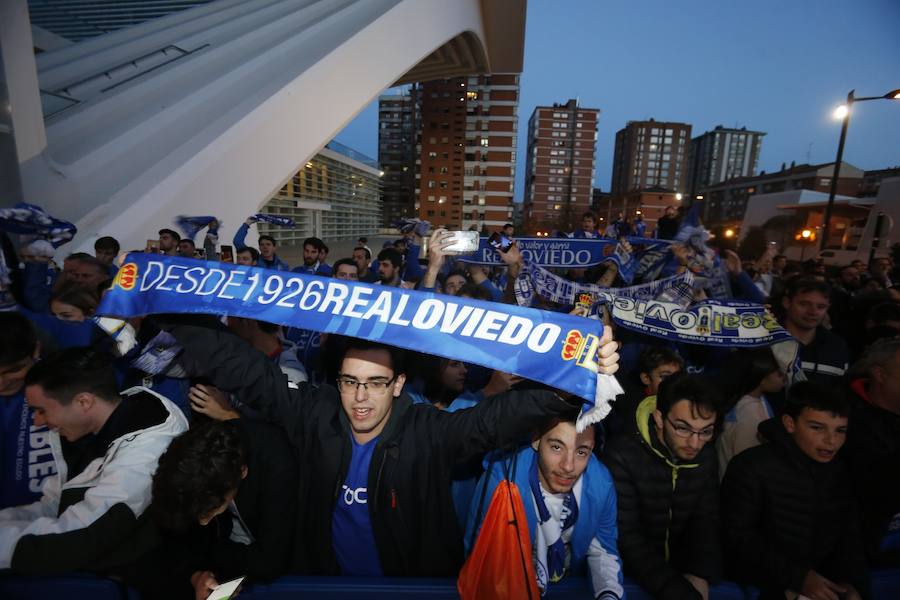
500,566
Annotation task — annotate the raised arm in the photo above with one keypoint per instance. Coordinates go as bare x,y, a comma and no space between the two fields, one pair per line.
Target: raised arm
213,352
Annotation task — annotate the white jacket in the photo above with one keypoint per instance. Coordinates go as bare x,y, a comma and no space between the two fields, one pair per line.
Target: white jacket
122,475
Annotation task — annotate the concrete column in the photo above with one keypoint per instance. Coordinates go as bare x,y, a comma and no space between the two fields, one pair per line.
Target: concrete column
17,55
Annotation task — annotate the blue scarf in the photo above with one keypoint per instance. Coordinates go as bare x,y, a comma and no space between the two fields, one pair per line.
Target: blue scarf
274,219
28,219
570,253
189,226
556,549
556,349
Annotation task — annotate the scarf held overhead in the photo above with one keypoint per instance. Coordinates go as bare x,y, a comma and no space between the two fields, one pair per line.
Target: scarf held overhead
564,252
559,350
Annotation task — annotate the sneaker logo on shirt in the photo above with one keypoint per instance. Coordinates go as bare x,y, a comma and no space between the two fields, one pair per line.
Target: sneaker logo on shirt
357,496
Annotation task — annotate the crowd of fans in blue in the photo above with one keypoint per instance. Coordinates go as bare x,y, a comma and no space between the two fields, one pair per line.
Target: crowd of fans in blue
224,447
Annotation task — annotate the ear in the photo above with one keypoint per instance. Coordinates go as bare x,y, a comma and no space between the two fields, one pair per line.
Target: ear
645,379
536,444
878,375
398,384
84,401
244,472
785,302
788,422
658,419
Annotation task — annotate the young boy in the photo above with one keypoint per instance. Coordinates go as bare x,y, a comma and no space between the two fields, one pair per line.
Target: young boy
789,520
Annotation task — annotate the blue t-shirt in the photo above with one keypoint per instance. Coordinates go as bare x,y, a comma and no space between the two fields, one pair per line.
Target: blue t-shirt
351,527
26,459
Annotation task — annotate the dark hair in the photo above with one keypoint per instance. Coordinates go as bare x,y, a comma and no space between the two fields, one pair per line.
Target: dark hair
171,232
18,340
398,355
197,472
779,256
189,241
696,389
803,285
72,371
587,214
391,255
742,373
654,356
325,248
254,253
366,250
884,312
267,327
815,396
268,237
508,225
342,262
475,291
363,240
314,242
80,256
82,298
107,243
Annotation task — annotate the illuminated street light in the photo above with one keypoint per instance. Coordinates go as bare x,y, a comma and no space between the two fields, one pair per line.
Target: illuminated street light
729,233
843,113
678,197
806,234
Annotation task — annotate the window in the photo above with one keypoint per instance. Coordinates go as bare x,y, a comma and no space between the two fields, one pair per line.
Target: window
442,199
484,142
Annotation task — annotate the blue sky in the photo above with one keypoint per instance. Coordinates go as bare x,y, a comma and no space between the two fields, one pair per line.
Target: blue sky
774,66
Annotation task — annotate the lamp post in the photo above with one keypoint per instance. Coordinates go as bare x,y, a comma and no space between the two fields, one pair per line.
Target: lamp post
843,112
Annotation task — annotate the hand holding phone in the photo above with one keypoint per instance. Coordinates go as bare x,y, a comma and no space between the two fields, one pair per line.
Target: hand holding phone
500,242
464,242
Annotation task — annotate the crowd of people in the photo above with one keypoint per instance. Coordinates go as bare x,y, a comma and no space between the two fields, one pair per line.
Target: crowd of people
216,447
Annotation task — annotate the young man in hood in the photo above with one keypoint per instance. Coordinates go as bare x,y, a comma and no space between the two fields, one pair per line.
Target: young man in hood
791,518
666,478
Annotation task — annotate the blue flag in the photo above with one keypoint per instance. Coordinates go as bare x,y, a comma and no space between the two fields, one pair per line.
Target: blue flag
557,349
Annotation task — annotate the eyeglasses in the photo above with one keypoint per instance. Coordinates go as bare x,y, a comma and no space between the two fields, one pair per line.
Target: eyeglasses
683,431
349,385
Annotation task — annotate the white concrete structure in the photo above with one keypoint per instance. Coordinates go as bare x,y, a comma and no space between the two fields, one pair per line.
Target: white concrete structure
212,109
854,221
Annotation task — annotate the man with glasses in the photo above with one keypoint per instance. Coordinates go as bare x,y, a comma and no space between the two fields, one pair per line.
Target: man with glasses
376,470
667,484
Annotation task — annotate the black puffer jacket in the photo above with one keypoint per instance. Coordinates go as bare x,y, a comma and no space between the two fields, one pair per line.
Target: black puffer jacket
873,453
668,511
410,503
785,514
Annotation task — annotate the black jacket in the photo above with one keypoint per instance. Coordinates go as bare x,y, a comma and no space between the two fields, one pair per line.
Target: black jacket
410,504
787,514
873,452
668,511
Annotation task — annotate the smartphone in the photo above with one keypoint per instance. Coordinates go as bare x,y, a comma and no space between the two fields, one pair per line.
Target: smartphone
226,590
153,246
463,242
500,242
226,254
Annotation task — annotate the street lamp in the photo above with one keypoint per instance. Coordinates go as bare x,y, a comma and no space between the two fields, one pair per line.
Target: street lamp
729,233
843,113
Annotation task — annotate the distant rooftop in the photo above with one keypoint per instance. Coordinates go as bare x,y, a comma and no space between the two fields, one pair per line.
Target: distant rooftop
351,153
